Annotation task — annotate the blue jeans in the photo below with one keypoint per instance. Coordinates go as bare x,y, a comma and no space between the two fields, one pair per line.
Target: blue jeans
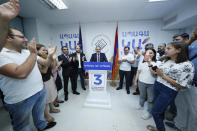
163,96
173,109
22,111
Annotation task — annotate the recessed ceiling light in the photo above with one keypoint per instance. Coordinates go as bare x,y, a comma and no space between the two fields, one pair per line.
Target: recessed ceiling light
156,0
55,4
59,4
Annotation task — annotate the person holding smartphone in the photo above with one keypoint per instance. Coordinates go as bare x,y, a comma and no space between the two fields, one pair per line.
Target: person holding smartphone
174,74
145,81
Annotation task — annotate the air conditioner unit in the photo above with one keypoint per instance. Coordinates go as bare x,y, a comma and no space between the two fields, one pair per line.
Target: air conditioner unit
54,4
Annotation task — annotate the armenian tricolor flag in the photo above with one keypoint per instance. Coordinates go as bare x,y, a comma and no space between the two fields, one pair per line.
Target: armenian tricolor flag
116,55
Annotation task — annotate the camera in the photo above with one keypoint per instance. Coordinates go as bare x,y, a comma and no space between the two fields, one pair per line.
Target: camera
154,68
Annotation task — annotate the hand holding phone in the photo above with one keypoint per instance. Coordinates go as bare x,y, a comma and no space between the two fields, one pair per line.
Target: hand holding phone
154,68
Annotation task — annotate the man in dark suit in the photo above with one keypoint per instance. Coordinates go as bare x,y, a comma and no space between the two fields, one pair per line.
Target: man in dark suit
67,66
98,56
79,57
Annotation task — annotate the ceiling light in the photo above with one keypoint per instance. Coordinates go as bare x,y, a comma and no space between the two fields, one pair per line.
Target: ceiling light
156,0
55,4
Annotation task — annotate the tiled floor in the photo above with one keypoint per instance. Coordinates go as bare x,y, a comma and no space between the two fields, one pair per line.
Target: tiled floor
74,117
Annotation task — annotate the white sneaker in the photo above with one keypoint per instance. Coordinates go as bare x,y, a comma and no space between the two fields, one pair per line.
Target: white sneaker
139,107
146,115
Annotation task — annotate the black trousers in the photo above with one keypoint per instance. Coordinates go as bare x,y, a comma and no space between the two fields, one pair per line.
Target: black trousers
81,74
2,97
133,73
125,74
72,79
58,82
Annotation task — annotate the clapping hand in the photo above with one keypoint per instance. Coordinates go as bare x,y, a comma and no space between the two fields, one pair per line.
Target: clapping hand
124,60
51,50
74,58
55,56
83,58
59,63
32,46
9,10
70,59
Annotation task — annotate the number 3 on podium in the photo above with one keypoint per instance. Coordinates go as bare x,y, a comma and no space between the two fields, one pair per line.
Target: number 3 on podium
98,80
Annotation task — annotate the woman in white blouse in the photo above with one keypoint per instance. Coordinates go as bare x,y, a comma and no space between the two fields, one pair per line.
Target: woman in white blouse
145,81
173,74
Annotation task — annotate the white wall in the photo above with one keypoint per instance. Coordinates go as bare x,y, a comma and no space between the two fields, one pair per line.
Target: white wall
37,29
102,33
156,34
30,28
93,32
44,32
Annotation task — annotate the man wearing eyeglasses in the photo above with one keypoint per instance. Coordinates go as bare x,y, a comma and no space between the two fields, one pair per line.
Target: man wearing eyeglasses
21,81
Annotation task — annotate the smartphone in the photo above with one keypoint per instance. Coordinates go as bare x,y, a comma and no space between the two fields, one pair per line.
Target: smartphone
154,68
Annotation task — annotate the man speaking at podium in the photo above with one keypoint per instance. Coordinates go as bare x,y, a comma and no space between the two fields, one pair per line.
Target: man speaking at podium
98,56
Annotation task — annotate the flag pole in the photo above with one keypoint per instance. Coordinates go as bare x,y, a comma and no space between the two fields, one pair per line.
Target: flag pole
115,60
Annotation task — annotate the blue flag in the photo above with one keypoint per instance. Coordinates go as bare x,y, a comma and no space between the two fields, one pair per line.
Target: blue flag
80,39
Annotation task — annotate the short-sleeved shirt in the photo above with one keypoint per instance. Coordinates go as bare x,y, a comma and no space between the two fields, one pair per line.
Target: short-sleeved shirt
182,73
17,90
193,56
125,66
145,75
137,60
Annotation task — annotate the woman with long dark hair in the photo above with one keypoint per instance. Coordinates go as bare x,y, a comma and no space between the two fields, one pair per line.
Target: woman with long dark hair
175,73
145,81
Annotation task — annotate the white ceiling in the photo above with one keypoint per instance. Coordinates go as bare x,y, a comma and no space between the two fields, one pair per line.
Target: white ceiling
99,10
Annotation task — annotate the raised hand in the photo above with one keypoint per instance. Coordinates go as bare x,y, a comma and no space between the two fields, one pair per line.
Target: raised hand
194,34
193,37
51,50
70,59
83,58
32,46
74,59
9,10
55,56
59,63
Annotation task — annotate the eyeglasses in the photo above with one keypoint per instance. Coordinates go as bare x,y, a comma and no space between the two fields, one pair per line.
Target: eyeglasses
20,36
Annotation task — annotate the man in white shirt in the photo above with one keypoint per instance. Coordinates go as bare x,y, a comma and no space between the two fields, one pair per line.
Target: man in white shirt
21,82
80,58
125,68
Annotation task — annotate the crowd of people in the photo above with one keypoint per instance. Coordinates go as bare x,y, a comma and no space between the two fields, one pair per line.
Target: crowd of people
30,79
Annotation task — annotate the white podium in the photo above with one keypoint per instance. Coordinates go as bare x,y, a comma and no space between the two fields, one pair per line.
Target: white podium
98,97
